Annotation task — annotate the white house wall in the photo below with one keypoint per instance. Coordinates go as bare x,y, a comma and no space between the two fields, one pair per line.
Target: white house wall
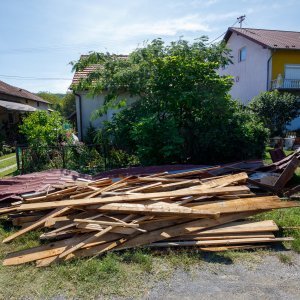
250,76
88,107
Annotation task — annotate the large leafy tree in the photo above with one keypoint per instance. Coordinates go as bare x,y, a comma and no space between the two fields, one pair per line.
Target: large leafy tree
276,110
184,112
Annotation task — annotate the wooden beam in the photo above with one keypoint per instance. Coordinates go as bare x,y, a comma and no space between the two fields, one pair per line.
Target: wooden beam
37,224
135,197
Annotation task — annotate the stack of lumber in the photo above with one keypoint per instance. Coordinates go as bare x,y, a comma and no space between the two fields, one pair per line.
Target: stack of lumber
87,219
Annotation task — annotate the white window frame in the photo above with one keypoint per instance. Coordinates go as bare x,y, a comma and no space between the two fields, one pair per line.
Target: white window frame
295,66
240,58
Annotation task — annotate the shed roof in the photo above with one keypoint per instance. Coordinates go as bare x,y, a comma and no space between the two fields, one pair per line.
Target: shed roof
8,89
16,106
273,39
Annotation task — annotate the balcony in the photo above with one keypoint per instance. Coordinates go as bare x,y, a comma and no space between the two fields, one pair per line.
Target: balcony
285,84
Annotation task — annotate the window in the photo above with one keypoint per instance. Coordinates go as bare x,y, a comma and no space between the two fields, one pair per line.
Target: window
38,104
292,72
242,54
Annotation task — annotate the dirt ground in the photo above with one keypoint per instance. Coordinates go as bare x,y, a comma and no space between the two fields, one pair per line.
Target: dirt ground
267,278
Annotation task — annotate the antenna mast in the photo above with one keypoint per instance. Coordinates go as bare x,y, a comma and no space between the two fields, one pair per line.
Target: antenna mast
241,19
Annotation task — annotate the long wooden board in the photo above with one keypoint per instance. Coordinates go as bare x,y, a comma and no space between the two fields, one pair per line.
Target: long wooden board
220,242
135,197
159,208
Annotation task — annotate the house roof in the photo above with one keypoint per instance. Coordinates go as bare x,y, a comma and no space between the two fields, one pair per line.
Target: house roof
78,75
16,106
273,39
8,89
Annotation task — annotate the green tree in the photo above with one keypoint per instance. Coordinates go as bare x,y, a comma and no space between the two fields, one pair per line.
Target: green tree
55,100
276,110
43,129
184,112
68,105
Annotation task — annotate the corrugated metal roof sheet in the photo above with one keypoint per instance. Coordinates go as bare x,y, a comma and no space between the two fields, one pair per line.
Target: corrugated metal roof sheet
38,181
16,106
274,39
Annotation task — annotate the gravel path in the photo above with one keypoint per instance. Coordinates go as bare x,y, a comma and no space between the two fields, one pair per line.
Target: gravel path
268,278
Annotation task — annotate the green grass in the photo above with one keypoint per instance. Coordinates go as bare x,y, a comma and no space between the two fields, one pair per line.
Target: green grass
7,156
9,172
6,163
285,258
267,157
289,217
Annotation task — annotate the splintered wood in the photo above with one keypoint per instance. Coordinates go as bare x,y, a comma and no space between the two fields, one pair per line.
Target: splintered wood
187,209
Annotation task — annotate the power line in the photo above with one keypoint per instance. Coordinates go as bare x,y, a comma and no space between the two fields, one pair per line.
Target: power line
226,30
32,78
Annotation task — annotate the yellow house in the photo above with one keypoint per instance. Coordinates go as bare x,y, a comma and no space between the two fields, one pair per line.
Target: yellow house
263,60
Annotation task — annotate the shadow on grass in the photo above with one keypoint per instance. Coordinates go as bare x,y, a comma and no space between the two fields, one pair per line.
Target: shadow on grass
6,225
216,258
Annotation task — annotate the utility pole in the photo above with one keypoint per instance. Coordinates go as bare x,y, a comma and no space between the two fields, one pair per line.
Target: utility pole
241,19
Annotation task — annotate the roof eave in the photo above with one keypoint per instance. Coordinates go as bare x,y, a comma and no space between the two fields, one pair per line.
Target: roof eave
231,30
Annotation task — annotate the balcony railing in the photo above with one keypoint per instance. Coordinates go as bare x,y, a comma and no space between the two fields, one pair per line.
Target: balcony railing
285,84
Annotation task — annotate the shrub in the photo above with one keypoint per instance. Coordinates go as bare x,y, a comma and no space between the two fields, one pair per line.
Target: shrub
276,110
43,129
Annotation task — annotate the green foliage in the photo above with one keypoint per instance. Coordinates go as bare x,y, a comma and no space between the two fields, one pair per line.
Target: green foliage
68,105
276,110
157,142
43,129
90,136
63,103
183,112
54,99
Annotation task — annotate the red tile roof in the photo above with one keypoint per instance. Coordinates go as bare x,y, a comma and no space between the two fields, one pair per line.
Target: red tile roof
8,89
273,39
83,74
78,75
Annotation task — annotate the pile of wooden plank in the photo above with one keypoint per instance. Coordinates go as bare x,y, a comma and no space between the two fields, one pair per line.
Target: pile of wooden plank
89,218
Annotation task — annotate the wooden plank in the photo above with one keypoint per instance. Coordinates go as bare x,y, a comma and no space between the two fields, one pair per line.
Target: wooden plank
191,173
245,204
37,224
135,197
159,208
107,223
226,180
101,249
44,251
287,174
238,227
96,227
182,229
219,242
235,247
195,237
90,239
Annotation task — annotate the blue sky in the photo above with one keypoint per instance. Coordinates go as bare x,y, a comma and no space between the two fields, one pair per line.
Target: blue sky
38,38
